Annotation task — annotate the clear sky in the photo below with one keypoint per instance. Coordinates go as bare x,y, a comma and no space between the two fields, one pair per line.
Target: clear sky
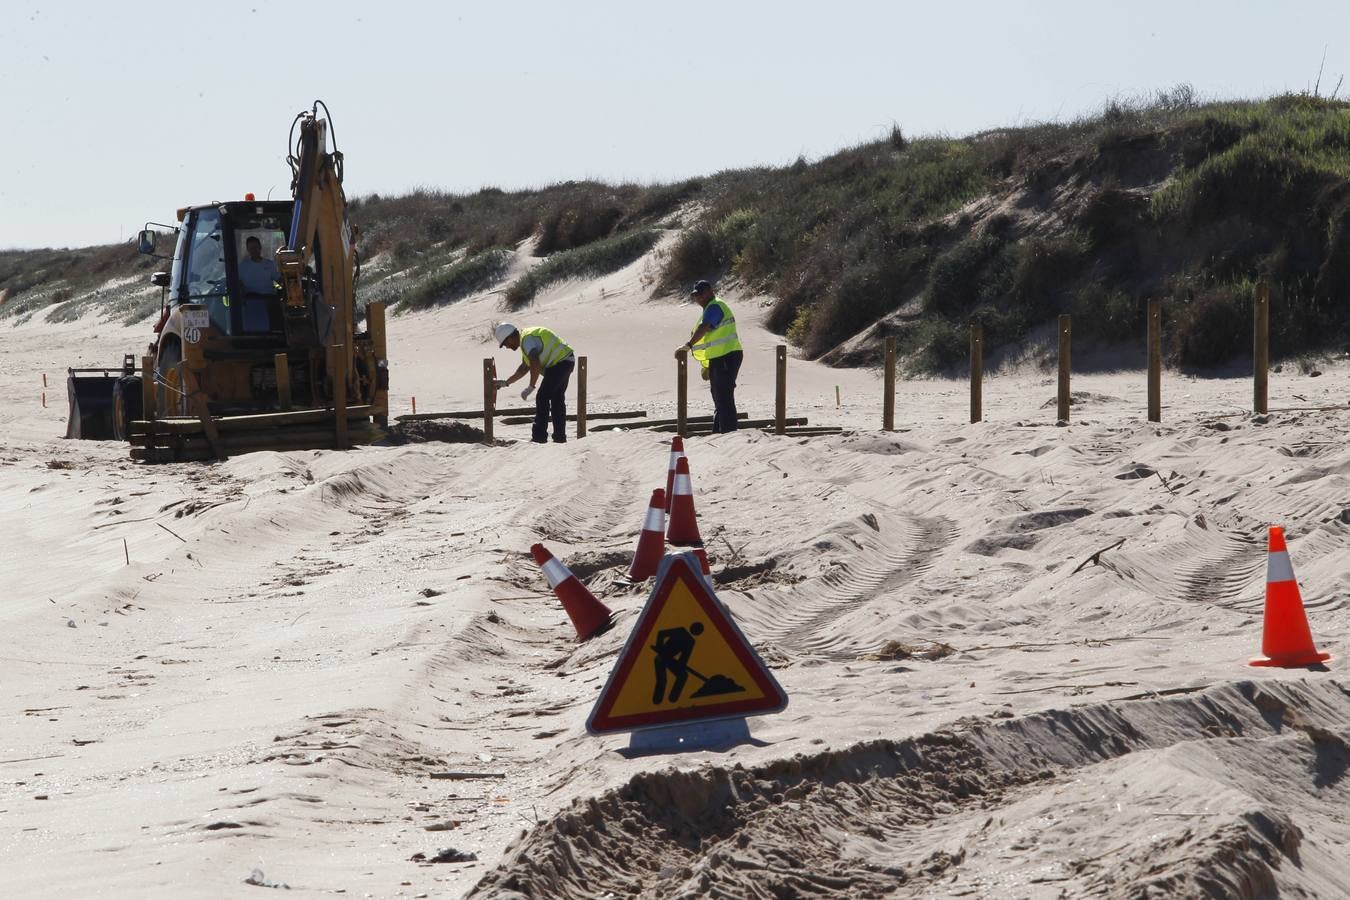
113,116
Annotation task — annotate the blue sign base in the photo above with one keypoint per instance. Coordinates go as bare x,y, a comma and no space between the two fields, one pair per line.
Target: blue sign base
717,734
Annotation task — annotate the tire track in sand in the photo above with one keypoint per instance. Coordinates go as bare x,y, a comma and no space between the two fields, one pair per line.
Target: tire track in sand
589,505
876,572
1221,575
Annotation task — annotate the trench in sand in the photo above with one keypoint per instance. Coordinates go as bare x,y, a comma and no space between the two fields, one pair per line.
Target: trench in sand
1187,795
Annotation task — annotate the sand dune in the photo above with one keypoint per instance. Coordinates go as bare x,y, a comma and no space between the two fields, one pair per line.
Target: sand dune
273,685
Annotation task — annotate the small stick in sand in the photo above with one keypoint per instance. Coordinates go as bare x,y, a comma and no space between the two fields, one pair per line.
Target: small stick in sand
170,530
125,551
31,758
1095,559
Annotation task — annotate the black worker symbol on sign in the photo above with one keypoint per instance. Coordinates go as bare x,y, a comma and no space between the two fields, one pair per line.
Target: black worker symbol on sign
673,648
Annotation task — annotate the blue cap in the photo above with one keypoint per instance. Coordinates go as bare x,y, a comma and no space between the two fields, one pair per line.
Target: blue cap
700,287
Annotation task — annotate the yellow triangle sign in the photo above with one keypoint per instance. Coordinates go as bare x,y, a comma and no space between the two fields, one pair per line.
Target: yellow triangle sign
685,661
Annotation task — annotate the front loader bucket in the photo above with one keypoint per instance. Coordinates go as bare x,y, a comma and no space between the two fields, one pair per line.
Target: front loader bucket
90,392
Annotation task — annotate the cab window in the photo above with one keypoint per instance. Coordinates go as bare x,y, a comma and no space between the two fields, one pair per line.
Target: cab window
206,281
256,244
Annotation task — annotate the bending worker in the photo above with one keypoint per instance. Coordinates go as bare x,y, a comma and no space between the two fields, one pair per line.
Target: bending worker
715,345
542,351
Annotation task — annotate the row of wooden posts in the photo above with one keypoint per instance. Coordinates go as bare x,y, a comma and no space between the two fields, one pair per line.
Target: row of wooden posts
1260,366
780,421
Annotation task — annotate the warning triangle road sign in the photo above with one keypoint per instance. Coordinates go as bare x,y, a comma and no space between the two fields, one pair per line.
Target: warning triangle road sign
685,661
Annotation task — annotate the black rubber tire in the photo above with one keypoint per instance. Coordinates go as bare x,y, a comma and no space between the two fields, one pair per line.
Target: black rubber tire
127,405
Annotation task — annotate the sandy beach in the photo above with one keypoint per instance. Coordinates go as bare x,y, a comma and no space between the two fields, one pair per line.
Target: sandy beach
252,669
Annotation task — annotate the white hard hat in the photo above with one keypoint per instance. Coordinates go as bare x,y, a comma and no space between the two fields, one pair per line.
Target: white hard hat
504,331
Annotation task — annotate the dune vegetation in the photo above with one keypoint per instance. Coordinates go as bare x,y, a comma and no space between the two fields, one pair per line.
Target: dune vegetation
1168,197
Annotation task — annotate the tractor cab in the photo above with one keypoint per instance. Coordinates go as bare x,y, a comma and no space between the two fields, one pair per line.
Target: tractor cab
226,261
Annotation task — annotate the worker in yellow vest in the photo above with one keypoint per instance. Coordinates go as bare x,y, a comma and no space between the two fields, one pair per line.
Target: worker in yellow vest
715,345
541,352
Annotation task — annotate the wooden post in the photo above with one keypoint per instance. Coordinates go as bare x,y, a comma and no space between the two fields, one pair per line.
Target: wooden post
1065,342
149,408
1261,350
149,399
489,398
339,373
976,372
1155,360
681,392
283,365
888,388
375,324
581,396
197,407
780,392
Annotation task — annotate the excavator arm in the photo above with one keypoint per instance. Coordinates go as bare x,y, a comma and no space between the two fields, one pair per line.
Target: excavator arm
319,241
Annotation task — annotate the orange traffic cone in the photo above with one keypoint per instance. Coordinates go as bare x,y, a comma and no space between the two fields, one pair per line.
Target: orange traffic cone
1285,639
676,451
589,616
651,544
683,528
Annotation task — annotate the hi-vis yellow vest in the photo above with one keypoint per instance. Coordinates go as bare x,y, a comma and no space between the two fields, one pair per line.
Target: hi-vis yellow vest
721,340
555,351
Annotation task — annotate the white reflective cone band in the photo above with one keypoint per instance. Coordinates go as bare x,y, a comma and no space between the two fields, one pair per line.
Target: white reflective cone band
656,519
556,573
675,457
682,485
1278,567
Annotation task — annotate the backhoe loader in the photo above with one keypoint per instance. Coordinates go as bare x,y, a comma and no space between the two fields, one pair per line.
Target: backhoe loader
257,345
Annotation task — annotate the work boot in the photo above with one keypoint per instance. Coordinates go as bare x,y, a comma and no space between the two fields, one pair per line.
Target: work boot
559,440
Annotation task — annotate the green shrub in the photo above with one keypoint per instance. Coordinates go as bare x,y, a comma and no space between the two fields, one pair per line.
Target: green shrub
577,225
868,288
708,251
695,255
662,200
1107,313
800,328
1045,270
1214,324
956,278
592,260
469,276
405,252
937,344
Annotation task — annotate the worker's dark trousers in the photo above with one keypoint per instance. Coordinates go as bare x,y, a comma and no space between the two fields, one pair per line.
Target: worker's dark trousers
551,402
722,373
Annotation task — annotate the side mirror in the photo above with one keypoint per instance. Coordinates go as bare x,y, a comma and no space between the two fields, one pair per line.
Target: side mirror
145,242
160,279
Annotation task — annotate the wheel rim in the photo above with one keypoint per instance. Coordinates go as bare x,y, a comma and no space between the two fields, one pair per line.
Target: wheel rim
171,392
119,426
